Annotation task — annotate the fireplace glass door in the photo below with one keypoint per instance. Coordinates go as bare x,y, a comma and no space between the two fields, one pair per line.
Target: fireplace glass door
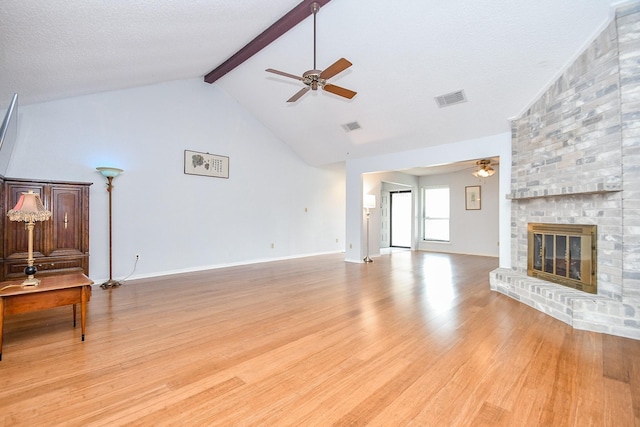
563,254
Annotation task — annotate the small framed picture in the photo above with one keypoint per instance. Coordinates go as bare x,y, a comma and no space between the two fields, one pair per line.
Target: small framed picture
206,164
472,198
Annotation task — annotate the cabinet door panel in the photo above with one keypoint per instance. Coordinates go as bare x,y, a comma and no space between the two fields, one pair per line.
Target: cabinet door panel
16,239
66,207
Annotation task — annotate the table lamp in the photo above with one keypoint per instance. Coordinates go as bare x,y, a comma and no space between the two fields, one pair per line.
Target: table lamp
29,209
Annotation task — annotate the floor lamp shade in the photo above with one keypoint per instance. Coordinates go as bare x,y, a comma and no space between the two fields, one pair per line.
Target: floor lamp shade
109,171
369,201
30,210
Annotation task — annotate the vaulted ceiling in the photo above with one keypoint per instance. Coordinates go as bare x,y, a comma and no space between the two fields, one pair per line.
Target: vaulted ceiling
501,53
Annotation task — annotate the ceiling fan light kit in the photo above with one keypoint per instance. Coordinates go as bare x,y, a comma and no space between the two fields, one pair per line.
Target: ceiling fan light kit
315,78
484,169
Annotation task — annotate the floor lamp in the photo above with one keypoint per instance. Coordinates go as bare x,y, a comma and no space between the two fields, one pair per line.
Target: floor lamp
110,173
368,203
29,209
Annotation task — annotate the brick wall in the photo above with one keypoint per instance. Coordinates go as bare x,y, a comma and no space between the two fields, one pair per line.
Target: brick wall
629,58
576,159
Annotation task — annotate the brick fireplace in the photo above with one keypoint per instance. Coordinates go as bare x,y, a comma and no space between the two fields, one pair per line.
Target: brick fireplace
576,160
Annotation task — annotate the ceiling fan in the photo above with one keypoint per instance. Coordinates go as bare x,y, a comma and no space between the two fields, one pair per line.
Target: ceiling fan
484,169
318,78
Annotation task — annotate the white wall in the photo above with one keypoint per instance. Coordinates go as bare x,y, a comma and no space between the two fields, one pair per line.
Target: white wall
473,232
497,145
179,222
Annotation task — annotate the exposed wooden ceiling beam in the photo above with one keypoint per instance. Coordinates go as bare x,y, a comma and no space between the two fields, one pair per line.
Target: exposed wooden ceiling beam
284,24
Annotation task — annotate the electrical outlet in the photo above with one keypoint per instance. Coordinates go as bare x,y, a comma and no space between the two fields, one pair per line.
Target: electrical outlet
137,257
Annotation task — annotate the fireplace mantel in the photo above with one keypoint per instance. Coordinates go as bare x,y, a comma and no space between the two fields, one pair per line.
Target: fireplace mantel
523,194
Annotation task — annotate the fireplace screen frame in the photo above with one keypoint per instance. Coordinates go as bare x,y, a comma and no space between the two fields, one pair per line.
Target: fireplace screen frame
563,254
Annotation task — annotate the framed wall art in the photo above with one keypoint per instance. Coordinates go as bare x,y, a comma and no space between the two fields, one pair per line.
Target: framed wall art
205,164
472,198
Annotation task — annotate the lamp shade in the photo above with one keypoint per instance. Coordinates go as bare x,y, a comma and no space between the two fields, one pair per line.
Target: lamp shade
29,209
484,169
109,172
485,172
369,201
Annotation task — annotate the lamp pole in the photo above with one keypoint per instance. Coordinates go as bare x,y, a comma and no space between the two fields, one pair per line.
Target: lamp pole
110,283
368,258
369,203
110,173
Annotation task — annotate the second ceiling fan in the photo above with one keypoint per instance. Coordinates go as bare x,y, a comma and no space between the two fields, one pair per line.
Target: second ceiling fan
318,78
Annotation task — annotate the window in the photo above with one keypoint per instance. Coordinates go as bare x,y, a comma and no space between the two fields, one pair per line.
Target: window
435,208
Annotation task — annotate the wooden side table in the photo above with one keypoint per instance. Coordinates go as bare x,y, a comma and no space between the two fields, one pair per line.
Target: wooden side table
53,291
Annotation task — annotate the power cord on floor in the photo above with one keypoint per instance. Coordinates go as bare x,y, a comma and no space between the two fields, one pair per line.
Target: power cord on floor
135,264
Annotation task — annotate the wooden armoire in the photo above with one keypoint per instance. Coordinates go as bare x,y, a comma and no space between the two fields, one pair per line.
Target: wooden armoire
60,244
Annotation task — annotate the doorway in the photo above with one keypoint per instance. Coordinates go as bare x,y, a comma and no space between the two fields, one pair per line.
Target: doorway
400,218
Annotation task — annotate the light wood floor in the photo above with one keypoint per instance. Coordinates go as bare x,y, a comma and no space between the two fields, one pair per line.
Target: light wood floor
412,339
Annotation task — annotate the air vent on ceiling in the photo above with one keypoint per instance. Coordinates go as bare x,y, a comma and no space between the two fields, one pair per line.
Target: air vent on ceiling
451,98
348,127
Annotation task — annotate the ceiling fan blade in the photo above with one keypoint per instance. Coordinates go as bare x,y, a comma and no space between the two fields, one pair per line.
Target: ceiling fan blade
346,93
282,73
335,68
298,94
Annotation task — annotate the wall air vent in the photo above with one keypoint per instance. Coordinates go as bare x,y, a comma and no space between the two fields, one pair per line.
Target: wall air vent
348,127
451,98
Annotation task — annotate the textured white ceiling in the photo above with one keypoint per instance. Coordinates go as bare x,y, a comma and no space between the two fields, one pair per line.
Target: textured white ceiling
502,53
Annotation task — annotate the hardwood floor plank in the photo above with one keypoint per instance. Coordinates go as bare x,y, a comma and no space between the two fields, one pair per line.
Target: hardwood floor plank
414,338
615,364
618,401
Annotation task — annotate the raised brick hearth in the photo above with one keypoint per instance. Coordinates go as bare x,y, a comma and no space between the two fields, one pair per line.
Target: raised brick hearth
576,160
576,308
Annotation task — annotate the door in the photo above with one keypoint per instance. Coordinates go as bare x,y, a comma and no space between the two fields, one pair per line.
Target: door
401,218
67,221
385,223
